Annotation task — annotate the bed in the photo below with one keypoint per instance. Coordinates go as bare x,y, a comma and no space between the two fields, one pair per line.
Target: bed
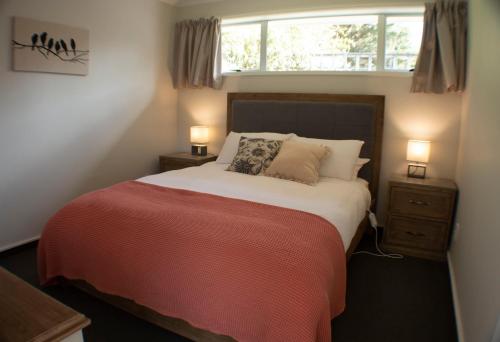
330,202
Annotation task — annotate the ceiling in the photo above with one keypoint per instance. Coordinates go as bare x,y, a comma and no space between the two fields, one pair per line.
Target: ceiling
182,3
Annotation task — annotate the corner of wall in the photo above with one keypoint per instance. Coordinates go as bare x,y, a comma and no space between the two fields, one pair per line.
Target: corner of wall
456,302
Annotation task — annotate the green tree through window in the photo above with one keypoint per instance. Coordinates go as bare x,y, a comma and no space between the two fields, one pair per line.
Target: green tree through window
337,43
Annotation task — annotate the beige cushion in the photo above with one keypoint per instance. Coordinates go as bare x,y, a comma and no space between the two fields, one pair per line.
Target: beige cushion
298,161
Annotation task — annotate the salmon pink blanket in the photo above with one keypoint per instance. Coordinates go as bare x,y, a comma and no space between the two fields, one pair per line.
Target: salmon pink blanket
252,271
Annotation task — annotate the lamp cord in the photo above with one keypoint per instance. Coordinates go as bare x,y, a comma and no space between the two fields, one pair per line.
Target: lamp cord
380,252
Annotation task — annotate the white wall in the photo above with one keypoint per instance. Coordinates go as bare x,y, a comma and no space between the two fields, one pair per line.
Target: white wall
433,117
475,253
62,135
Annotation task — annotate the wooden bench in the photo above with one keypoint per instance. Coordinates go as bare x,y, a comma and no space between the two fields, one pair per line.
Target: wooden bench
27,314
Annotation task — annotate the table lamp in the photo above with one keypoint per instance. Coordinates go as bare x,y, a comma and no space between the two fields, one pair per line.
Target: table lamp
199,140
417,154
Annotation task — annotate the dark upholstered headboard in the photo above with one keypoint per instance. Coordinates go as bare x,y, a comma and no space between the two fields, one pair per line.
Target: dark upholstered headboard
323,116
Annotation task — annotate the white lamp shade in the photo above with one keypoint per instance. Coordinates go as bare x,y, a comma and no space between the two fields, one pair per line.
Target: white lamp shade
199,135
418,151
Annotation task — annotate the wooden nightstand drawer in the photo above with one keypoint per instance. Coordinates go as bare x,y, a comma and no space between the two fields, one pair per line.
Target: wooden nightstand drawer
415,233
422,203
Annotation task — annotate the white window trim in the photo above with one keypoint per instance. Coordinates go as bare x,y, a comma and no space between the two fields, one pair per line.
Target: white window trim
263,46
381,43
385,73
381,71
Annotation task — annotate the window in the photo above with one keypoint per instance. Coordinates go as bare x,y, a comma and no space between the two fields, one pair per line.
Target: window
337,43
402,42
241,47
333,43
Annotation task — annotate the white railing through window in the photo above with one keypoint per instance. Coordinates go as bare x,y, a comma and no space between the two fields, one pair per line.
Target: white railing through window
361,61
345,61
400,61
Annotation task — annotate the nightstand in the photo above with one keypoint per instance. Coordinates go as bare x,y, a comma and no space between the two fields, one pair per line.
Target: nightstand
182,160
420,216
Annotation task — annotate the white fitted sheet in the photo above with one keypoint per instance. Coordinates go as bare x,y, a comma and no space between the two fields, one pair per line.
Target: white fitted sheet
342,203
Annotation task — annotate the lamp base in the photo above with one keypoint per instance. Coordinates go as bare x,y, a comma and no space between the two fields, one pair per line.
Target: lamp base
417,171
199,150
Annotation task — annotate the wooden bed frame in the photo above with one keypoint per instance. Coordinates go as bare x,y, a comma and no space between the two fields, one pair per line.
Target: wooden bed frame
182,327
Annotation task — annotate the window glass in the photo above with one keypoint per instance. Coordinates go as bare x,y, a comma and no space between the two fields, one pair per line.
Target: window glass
335,43
339,43
402,42
241,47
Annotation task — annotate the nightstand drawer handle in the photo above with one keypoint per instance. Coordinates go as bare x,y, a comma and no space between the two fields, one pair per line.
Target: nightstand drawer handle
415,234
418,202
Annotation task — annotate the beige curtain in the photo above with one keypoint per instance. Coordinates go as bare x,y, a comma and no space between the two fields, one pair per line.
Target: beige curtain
196,54
442,60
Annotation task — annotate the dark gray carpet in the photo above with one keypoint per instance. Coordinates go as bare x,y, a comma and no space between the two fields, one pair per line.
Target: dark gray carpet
406,300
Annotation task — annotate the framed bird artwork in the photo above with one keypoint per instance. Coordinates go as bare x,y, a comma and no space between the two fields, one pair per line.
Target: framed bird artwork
48,47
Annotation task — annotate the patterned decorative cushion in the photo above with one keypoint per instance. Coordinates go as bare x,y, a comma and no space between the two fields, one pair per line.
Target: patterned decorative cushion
254,155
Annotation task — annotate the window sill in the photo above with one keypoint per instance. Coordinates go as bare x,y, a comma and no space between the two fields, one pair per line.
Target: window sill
320,73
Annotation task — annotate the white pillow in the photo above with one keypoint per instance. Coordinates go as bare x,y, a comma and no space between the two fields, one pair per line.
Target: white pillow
230,147
359,164
342,159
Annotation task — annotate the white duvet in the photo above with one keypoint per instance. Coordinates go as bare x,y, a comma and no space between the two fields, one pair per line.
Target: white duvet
342,203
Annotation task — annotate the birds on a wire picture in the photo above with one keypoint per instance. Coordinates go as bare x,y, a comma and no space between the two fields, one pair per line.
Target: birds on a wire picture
78,56
48,47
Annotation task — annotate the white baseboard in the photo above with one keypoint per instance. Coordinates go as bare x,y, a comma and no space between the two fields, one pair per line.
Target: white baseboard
19,243
456,303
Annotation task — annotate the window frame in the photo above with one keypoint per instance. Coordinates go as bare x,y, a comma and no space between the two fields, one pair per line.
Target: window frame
381,35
